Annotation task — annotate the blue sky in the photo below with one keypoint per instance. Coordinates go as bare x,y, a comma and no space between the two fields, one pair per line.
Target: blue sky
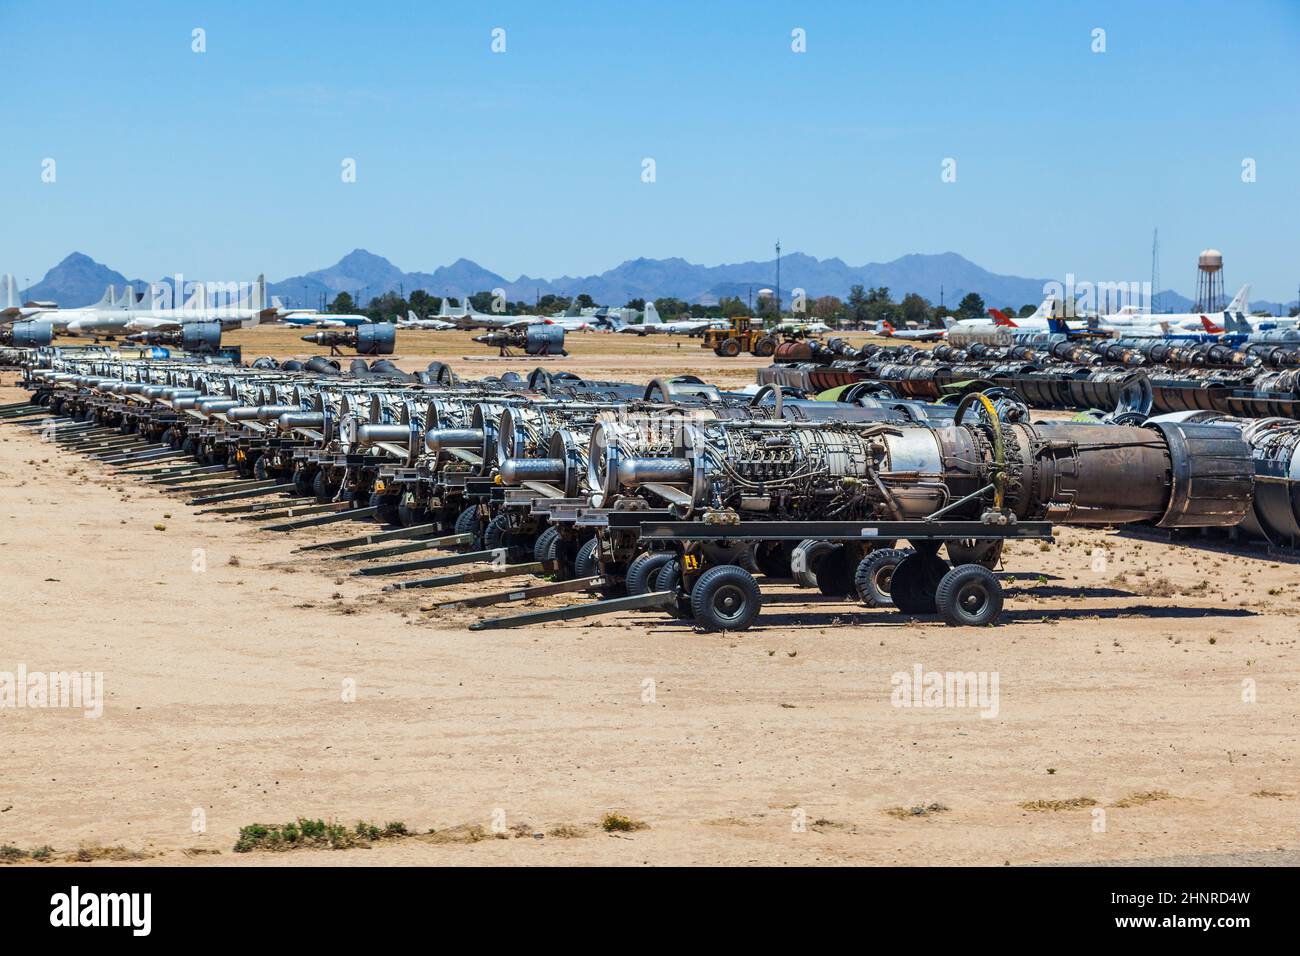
226,163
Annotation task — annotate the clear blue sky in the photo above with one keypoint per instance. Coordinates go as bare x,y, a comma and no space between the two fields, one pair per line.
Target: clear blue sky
227,163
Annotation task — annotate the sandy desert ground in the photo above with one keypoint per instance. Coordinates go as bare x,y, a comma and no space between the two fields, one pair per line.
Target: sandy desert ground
1125,727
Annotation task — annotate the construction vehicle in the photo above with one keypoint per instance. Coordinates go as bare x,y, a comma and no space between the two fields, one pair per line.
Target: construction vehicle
744,334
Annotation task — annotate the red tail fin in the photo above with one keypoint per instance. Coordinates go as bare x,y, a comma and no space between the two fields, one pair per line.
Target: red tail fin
1000,318
886,327
1211,327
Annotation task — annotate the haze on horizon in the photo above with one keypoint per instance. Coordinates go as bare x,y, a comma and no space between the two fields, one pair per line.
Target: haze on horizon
228,162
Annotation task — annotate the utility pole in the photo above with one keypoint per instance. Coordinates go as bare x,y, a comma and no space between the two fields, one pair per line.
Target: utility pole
1155,271
778,280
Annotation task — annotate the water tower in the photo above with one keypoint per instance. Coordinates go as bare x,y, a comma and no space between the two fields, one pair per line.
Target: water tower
1209,281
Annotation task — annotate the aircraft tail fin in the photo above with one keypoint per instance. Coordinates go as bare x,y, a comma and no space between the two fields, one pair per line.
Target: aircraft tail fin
949,322
1057,326
9,298
1001,318
651,315
259,300
107,299
1241,301
1210,326
886,327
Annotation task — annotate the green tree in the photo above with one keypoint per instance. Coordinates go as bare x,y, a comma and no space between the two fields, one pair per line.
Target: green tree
915,309
971,306
729,306
343,304
585,301
1026,311
669,307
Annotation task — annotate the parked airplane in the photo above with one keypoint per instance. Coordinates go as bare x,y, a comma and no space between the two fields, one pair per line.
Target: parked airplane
413,321
145,315
652,324
915,335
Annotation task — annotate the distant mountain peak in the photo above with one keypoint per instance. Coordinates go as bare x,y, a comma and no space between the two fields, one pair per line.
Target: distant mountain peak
80,280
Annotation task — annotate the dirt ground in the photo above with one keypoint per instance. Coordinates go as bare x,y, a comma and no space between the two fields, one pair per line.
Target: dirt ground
1146,707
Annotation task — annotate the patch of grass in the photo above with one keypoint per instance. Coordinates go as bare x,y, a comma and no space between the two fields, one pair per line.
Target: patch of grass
922,810
89,853
43,853
567,831
1272,794
461,833
1141,798
1074,803
618,823
305,833
11,854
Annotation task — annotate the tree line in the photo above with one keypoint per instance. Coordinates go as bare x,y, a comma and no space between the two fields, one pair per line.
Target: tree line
862,307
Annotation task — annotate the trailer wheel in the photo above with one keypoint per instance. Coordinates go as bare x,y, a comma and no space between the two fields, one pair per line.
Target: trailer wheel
585,564
835,573
986,552
387,513
773,559
644,569
188,446
320,488
408,516
805,558
969,596
301,483
467,523
545,547
725,598
916,581
499,534
260,471
729,348
765,347
871,580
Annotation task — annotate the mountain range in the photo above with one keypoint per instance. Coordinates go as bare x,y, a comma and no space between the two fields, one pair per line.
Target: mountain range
80,280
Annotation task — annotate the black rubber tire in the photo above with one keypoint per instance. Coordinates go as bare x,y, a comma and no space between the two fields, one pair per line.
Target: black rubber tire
986,552
467,523
725,598
408,516
915,582
260,471
773,559
301,483
835,573
166,437
969,596
546,545
669,576
498,534
805,557
551,547
320,488
189,445
765,347
871,579
387,513
729,348
643,570
585,564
